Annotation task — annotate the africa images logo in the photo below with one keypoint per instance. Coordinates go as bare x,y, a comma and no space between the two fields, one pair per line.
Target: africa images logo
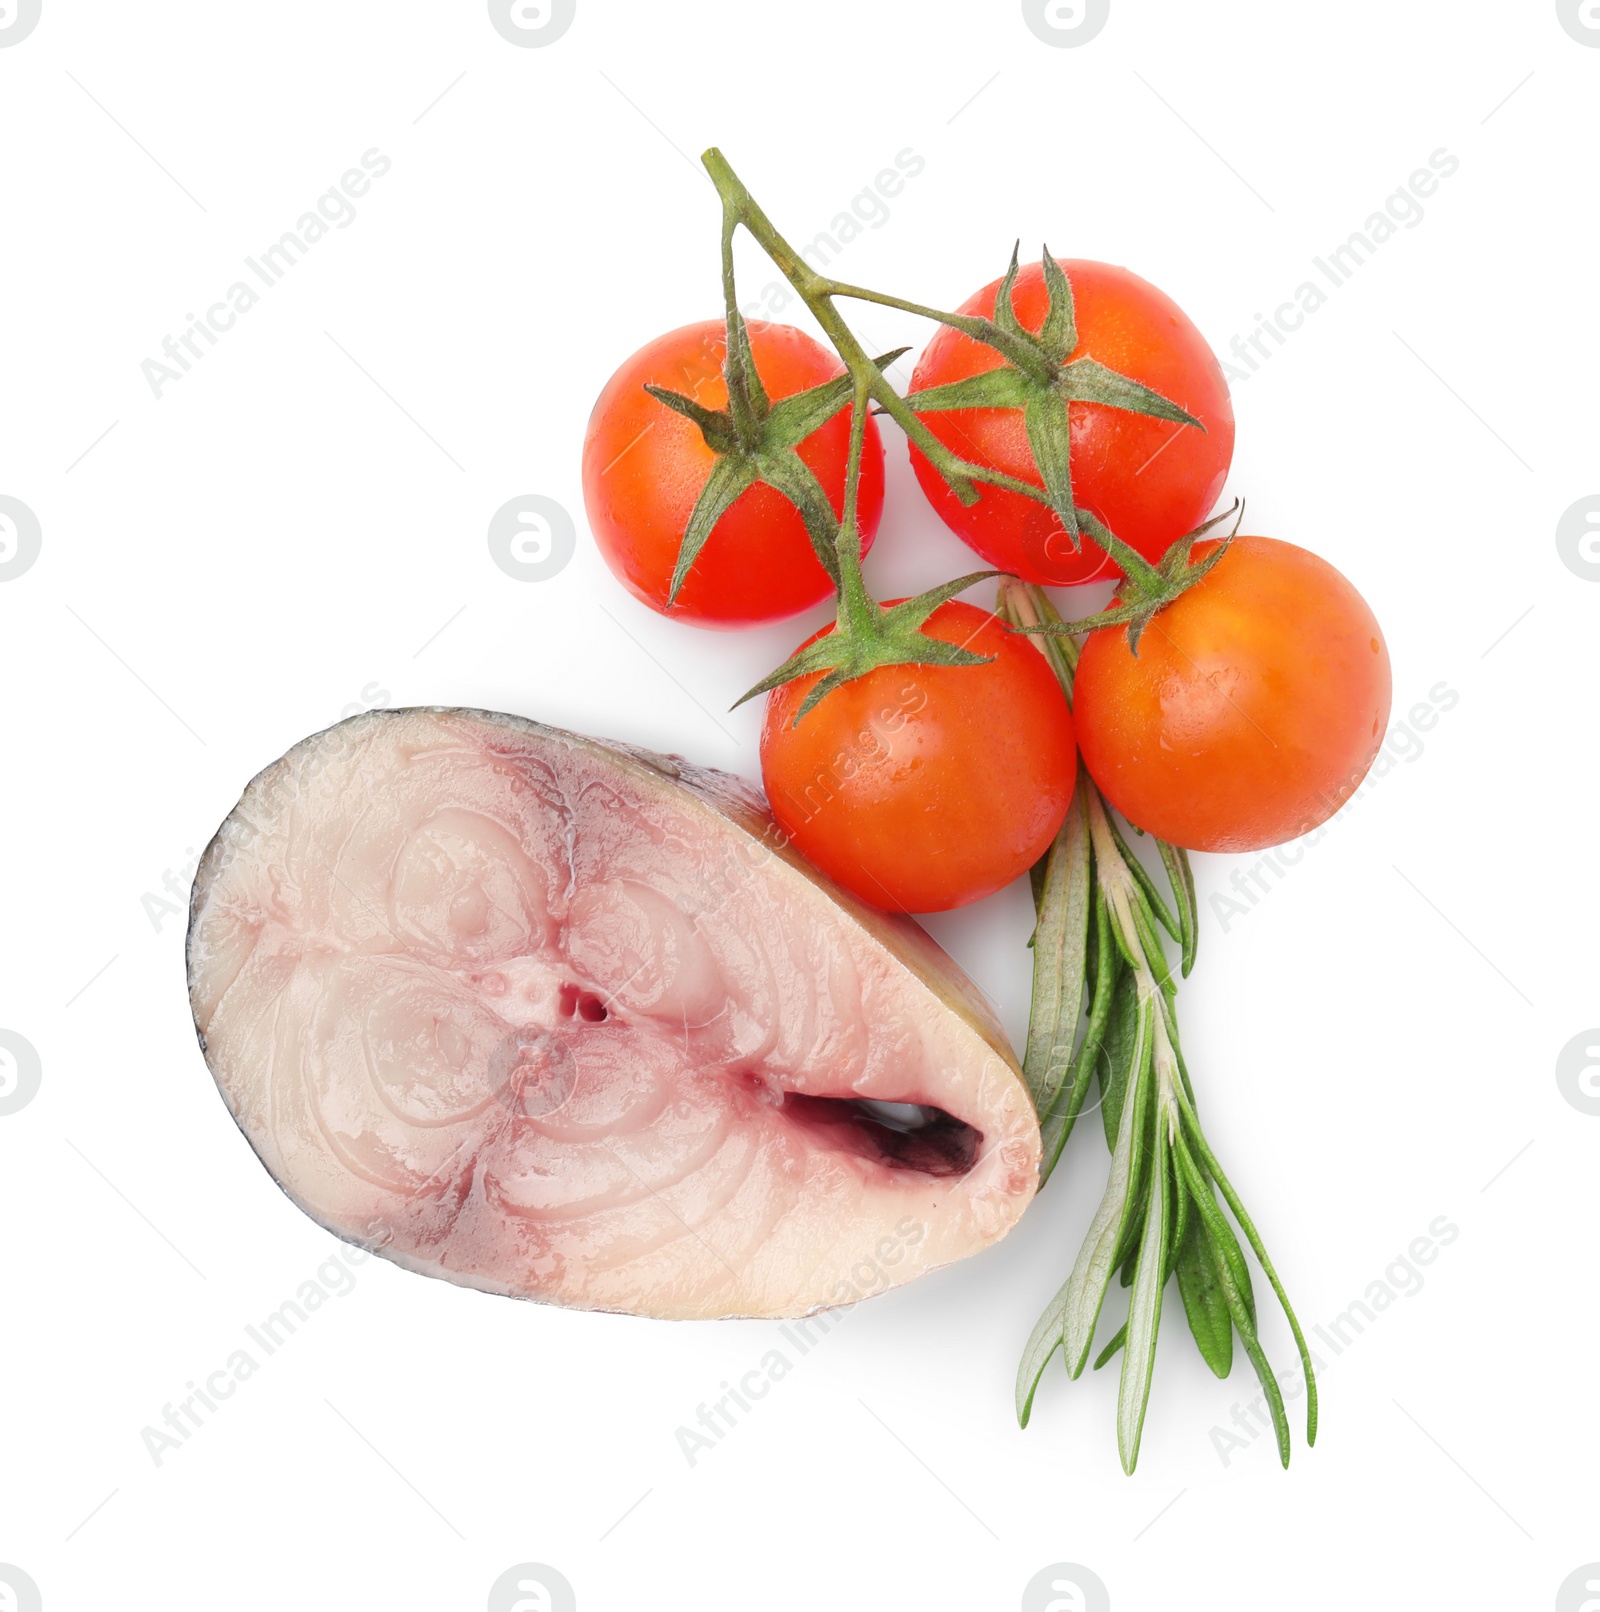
532,1587
1580,1590
334,209
532,23
18,1592
531,538
18,19
20,1078
1065,23
1066,1587
20,538
1578,537
1578,1071
1581,19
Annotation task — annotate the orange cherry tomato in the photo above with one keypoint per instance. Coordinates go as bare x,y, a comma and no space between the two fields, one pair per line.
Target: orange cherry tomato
644,467
1149,480
922,788
1256,703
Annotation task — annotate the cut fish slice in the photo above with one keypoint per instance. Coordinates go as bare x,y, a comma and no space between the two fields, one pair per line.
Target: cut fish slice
560,1019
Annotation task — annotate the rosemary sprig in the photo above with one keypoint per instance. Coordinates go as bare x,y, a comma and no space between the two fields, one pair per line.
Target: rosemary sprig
1100,965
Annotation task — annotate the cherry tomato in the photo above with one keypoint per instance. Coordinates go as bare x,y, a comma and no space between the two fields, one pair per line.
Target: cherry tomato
1254,707
1149,480
922,788
644,467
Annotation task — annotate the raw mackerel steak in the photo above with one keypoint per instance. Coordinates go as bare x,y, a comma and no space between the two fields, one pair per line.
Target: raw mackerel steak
558,1018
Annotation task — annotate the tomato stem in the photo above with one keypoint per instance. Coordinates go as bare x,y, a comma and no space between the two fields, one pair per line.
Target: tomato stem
1044,380
818,292
857,613
747,400
1147,590
866,635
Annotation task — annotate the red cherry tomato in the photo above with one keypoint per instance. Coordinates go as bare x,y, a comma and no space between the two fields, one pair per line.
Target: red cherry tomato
644,467
921,788
1150,480
1254,708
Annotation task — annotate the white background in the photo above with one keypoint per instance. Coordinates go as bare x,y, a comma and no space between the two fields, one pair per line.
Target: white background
297,528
